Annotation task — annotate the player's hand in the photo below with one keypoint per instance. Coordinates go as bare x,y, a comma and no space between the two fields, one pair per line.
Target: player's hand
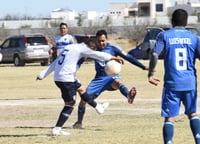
118,59
146,68
154,80
37,78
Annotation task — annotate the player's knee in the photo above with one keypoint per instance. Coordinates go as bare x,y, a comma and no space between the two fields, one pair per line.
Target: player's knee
70,103
170,119
191,115
81,90
116,84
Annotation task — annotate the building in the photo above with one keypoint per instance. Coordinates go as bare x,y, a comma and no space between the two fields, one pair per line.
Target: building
61,13
141,8
123,9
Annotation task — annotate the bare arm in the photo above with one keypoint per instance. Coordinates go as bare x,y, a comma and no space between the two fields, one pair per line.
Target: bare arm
152,64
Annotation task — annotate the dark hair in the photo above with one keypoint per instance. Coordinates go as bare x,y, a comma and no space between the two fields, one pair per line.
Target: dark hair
65,24
101,32
90,43
179,17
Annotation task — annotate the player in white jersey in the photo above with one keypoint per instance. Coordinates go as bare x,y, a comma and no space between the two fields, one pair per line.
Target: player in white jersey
63,39
65,68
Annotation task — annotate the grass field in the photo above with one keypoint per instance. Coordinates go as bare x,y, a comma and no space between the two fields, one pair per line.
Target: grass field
29,110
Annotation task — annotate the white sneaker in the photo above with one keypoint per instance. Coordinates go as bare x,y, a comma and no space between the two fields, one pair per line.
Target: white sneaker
57,131
100,108
105,105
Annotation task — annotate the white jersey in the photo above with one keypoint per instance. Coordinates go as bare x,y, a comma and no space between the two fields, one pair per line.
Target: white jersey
65,66
62,41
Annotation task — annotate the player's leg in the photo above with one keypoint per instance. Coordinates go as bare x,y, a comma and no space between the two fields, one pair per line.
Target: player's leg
190,103
68,92
94,89
195,127
129,94
81,109
81,113
168,130
170,109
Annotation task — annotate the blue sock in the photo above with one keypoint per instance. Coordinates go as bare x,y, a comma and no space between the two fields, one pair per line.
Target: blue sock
123,89
168,132
195,127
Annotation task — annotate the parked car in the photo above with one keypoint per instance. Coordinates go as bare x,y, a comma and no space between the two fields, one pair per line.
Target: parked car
143,49
29,48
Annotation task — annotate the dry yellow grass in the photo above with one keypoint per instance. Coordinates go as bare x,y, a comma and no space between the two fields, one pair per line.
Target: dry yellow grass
29,109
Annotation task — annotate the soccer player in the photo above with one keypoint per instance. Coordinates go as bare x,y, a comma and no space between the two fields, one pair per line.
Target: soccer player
180,48
63,39
65,68
102,81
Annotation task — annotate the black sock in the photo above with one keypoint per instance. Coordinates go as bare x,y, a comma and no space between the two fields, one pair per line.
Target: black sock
64,115
89,99
81,112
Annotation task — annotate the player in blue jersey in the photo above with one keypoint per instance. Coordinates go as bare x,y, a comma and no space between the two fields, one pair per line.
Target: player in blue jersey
180,48
65,68
102,81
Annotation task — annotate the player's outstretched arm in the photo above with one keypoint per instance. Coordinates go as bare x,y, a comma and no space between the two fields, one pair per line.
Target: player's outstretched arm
152,64
131,59
118,59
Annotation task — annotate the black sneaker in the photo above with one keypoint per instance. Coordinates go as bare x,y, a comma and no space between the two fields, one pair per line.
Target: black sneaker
77,125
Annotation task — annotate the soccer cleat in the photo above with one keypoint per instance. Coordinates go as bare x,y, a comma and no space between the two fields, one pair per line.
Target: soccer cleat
100,108
131,95
57,131
77,125
105,105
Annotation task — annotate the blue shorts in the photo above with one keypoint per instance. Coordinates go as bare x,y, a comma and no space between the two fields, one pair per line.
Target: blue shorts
100,84
68,90
171,101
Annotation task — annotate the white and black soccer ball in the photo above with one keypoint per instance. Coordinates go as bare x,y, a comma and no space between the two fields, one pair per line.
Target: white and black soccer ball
112,68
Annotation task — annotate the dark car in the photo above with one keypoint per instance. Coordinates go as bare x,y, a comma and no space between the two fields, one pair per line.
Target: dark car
143,49
29,48
84,37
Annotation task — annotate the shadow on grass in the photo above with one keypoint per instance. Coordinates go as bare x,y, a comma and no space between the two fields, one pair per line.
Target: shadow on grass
29,135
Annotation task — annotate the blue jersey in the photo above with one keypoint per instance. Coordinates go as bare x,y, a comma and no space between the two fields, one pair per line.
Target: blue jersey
180,48
115,51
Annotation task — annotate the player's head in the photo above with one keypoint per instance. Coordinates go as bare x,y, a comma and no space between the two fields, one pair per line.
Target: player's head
179,17
90,43
63,28
101,38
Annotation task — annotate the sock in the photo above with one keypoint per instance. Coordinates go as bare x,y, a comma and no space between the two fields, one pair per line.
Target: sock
81,112
124,90
168,132
89,99
64,115
195,127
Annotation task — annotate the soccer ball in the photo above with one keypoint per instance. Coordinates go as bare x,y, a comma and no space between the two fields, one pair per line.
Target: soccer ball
112,68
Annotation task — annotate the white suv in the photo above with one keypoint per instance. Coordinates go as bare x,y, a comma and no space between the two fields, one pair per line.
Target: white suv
25,49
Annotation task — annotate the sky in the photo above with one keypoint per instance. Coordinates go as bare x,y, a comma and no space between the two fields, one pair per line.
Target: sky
42,8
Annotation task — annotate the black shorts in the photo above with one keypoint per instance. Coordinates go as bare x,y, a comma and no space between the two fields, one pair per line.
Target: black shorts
68,90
